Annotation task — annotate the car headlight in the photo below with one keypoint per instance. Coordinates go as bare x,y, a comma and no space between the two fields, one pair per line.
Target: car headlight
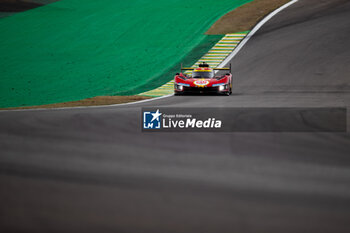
180,86
222,86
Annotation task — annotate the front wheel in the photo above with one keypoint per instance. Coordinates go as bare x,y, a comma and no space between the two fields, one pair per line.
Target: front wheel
229,92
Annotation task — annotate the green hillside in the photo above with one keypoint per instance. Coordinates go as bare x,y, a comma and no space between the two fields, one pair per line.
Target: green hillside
71,49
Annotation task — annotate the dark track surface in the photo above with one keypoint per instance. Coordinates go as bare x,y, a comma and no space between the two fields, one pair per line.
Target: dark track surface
92,170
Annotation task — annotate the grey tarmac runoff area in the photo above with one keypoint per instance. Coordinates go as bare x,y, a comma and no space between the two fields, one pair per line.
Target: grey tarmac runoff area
93,170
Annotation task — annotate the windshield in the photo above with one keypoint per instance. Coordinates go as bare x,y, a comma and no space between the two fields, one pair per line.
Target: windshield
202,74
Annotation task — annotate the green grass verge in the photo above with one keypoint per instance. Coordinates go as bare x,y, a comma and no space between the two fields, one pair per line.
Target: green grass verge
72,50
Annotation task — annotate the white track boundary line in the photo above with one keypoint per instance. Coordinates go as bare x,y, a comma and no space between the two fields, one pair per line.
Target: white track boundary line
253,31
222,64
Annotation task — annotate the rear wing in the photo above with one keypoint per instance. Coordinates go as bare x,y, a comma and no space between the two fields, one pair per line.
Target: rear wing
190,68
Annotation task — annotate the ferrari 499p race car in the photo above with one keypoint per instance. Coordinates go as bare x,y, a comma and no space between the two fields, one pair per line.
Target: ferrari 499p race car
203,80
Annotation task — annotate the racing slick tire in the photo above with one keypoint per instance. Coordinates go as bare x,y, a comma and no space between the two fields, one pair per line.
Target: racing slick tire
229,92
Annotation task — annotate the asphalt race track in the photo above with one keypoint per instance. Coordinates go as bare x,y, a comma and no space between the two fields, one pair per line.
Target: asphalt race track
92,170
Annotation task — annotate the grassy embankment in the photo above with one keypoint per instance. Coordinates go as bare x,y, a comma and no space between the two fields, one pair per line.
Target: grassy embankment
241,19
69,50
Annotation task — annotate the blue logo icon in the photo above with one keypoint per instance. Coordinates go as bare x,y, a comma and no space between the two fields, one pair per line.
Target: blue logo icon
151,120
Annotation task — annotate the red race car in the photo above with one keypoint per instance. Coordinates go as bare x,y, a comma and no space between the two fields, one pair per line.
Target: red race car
203,80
